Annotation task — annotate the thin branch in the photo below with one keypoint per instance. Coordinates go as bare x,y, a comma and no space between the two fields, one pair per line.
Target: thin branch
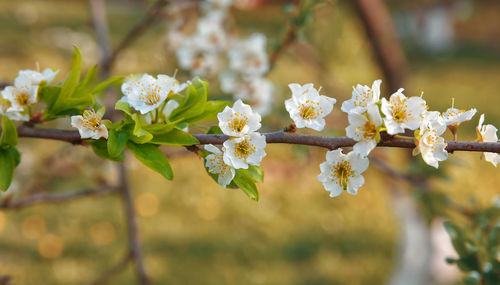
277,137
151,15
120,266
57,198
133,230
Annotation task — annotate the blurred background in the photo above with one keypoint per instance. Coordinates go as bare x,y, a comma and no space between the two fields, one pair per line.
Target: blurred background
195,232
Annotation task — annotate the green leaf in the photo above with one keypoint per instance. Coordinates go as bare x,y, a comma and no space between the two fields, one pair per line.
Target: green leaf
157,129
117,141
8,138
99,88
152,157
49,94
9,159
212,108
140,134
215,130
194,101
123,106
457,237
100,147
256,173
73,78
245,183
175,137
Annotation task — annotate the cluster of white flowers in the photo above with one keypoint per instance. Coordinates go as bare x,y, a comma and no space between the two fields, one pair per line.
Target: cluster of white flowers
151,97
488,133
16,100
244,147
241,64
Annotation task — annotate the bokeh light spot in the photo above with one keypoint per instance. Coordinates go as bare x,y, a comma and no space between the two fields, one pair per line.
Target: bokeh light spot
34,227
102,233
50,246
147,204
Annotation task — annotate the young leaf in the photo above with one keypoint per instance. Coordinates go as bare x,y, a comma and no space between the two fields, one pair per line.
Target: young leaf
212,108
152,157
245,183
123,106
140,134
73,78
100,147
175,137
8,138
9,159
117,141
194,101
99,88
256,173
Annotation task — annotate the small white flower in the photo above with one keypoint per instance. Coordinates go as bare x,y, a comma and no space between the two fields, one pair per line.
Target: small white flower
12,115
488,133
148,93
307,107
36,78
362,97
430,144
257,91
89,125
241,151
454,116
22,94
249,56
192,57
210,32
216,165
239,120
364,128
402,113
342,172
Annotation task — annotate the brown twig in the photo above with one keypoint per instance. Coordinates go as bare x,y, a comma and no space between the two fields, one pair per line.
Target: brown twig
133,231
276,137
151,15
57,198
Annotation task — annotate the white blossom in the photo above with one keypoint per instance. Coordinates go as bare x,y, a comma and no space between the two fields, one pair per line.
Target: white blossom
148,93
488,133
454,116
239,120
210,33
216,165
362,97
239,152
257,91
22,94
249,56
192,57
402,113
430,144
12,115
364,128
36,78
307,107
90,125
342,172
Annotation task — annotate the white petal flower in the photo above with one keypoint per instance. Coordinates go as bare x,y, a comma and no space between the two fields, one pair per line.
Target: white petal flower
35,77
239,120
362,97
454,116
364,128
488,133
430,144
342,172
241,151
191,56
12,115
216,165
307,107
257,91
249,56
402,113
22,94
148,93
89,125
210,33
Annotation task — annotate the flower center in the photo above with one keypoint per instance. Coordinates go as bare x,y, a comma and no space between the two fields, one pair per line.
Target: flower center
238,122
308,111
91,120
399,112
244,149
219,166
150,95
369,130
23,99
360,100
253,61
342,172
